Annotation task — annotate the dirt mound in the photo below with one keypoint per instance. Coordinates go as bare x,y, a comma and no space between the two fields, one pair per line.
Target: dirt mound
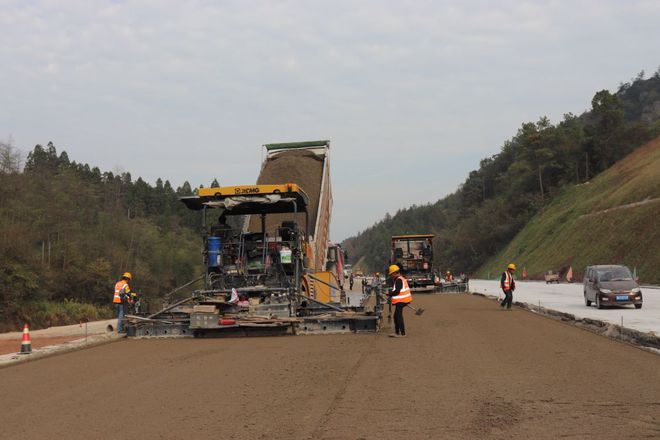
303,168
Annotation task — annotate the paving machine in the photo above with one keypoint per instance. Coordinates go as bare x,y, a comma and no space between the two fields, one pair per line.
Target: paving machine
257,281
414,255
250,274
266,256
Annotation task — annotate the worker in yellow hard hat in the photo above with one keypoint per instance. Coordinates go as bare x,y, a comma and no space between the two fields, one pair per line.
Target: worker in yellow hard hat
121,297
399,296
508,285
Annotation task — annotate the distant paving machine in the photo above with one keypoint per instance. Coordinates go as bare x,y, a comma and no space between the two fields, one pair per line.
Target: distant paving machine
266,277
414,255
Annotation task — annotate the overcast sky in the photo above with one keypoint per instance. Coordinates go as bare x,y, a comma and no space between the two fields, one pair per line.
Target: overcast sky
412,94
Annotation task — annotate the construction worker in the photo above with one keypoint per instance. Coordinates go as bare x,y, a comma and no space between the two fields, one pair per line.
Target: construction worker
375,281
222,229
121,297
508,285
399,296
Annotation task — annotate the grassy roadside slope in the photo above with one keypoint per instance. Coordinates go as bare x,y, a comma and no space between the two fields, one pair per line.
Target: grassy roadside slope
591,224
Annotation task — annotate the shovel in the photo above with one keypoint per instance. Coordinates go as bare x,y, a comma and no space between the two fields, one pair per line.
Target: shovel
418,311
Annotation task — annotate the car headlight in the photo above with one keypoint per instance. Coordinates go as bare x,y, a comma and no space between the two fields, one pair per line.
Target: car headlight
605,291
636,290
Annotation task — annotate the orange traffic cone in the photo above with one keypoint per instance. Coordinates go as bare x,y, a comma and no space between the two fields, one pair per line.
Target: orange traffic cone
26,345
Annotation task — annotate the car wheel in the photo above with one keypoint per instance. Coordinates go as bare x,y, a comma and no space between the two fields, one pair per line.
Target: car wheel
586,301
598,304
638,306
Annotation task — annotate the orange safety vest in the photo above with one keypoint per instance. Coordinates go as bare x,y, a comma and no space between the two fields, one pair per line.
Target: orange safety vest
119,288
404,296
508,280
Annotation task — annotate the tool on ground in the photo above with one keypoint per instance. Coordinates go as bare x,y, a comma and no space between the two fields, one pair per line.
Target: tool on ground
418,311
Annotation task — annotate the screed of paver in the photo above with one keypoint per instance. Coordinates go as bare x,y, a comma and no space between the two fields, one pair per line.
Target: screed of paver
467,370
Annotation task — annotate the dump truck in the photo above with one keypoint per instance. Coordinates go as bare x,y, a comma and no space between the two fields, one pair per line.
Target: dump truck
414,255
266,275
551,277
335,262
306,164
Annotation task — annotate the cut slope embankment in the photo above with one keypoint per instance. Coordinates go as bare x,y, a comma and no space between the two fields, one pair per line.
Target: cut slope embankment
615,218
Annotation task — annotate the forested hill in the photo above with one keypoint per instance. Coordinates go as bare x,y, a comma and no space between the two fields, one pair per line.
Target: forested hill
67,231
497,200
613,219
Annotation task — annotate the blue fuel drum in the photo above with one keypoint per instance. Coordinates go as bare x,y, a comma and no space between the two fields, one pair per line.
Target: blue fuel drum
214,244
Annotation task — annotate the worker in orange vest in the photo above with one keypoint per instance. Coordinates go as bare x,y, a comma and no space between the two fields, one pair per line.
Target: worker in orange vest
399,295
121,297
508,285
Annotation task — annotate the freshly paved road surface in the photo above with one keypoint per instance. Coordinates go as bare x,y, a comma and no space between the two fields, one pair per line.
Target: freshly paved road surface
569,298
468,370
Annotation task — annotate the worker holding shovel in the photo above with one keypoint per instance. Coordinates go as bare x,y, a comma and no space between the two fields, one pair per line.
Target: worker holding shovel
400,297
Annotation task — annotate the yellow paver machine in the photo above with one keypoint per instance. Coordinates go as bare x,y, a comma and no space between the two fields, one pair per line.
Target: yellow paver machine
259,277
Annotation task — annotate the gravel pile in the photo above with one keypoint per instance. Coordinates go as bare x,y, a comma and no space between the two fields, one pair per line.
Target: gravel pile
303,168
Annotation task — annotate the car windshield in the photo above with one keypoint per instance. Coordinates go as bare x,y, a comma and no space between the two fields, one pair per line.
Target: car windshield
614,274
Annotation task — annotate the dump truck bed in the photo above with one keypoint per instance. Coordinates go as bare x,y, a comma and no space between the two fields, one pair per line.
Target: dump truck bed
307,165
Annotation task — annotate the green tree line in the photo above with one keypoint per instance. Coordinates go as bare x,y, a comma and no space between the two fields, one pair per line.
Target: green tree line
510,187
68,230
